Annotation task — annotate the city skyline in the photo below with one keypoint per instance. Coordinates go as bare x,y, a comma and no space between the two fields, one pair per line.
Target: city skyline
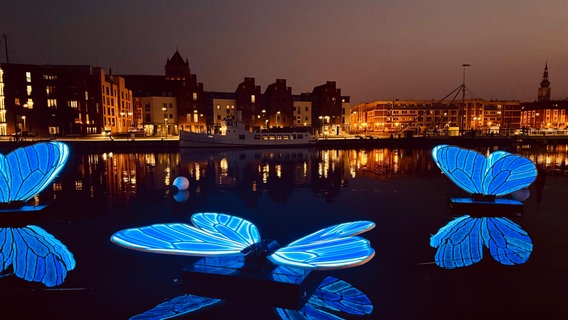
406,50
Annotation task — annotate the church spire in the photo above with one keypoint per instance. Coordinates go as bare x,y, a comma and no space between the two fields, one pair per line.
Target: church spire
544,90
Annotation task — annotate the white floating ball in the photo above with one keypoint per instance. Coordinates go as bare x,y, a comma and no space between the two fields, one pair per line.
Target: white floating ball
181,183
521,195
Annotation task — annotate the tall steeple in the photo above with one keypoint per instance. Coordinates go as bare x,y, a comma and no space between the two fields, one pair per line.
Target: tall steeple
544,90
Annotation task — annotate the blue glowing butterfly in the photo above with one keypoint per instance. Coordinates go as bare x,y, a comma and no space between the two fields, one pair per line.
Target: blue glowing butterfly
26,171
216,234
460,242
498,174
34,255
332,299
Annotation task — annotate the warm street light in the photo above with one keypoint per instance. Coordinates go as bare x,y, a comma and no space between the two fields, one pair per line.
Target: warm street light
24,119
165,122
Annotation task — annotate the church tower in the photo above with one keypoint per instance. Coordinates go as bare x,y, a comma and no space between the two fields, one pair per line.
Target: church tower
176,68
544,90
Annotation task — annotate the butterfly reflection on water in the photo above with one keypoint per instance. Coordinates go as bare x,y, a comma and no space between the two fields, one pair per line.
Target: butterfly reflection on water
332,299
34,255
460,243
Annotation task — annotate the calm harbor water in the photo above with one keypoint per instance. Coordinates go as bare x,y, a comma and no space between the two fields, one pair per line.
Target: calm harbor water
289,193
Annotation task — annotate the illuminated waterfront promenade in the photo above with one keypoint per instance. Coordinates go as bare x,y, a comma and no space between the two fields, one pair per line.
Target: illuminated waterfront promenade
125,143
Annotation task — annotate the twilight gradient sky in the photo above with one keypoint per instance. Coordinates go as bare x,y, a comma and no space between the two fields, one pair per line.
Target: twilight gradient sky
373,49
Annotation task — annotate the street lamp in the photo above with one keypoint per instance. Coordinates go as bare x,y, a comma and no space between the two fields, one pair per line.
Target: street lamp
24,128
131,119
165,122
277,116
321,119
120,121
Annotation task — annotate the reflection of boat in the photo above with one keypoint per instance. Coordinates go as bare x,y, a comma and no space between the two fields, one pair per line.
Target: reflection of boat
234,134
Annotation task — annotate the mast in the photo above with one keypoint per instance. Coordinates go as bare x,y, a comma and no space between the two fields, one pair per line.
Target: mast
6,49
462,108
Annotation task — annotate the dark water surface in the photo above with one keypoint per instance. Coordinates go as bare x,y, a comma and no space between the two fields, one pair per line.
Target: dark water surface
288,194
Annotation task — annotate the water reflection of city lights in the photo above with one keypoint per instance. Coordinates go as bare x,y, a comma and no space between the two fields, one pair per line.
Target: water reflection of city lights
197,172
278,169
167,176
265,173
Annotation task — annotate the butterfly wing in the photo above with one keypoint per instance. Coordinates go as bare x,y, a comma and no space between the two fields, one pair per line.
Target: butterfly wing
177,307
464,167
6,248
507,173
332,298
40,257
231,226
507,242
220,235
334,247
27,171
459,243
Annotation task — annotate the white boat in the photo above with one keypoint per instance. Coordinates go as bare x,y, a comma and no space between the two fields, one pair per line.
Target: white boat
234,134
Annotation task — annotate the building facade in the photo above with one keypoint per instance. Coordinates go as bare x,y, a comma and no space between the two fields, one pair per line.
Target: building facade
544,113
430,116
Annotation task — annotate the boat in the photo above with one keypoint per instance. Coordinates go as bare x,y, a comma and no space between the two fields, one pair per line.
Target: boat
232,133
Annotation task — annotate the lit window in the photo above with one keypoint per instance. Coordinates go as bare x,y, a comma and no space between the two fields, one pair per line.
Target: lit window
28,76
252,98
194,96
52,103
29,90
49,90
72,104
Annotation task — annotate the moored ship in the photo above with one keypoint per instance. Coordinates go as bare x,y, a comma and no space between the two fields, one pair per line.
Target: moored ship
233,134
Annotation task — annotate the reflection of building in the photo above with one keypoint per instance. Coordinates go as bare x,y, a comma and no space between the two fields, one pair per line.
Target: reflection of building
544,113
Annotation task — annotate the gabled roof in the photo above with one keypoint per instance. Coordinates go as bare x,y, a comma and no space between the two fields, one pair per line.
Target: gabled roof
176,59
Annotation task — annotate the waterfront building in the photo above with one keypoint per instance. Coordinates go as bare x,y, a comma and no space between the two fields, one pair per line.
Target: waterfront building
544,113
60,100
223,105
250,103
117,105
302,110
189,111
327,107
278,104
433,117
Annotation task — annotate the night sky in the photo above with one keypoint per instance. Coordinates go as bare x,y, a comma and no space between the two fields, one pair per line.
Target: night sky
373,49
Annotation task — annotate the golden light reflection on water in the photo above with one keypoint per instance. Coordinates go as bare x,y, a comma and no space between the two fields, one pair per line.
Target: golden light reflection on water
121,175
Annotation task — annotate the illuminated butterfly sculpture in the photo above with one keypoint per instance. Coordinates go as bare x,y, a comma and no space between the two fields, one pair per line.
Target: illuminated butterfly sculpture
460,243
332,299
216,234
34,255
27,171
